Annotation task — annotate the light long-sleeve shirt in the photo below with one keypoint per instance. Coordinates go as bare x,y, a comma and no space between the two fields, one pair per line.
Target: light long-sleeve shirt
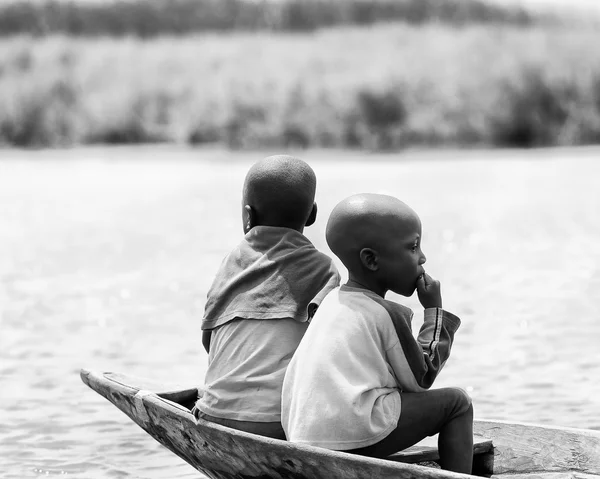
342,387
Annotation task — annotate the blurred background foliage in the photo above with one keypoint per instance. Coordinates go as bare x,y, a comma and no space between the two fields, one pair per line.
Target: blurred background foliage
150,18
371,74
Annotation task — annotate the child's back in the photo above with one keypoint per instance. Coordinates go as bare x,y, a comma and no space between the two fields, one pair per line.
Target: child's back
258,306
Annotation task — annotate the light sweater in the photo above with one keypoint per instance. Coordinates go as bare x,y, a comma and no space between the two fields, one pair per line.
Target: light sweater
247,362
342,387
272,273
257,309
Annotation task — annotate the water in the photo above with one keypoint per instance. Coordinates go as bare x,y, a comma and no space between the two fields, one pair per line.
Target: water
106,256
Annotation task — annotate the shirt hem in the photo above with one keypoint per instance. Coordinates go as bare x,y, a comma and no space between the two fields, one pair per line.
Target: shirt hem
256,417
346,446
253,315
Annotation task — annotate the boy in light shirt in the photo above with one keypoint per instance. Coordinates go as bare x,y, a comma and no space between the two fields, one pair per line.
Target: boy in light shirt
262,297
359,381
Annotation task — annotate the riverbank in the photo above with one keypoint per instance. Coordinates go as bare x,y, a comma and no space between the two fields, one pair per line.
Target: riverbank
379,88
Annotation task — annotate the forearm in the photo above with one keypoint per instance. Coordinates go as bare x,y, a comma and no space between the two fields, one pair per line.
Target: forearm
435,338
417,363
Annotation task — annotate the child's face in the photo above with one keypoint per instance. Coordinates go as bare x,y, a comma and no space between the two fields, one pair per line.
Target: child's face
401,259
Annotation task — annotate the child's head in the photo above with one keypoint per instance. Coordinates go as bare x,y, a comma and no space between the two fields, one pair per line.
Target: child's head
378,238
279,191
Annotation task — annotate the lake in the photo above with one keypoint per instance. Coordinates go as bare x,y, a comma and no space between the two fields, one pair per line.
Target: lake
106,255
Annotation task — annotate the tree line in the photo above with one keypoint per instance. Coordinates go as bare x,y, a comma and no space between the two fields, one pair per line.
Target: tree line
150,18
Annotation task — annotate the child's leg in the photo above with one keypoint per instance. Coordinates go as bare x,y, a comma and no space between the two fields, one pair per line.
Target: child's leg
447,411
455,443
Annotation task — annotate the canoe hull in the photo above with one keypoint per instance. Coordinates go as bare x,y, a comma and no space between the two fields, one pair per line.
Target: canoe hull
221,453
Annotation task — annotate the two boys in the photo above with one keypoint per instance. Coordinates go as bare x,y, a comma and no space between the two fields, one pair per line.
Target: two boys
357,380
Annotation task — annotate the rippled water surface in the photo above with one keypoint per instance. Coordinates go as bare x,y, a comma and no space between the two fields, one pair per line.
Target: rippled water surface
106,256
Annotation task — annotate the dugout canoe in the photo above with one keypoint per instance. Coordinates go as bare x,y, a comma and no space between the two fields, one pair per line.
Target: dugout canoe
501,449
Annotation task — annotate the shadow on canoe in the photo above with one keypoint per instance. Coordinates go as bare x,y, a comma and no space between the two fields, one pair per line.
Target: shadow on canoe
501,449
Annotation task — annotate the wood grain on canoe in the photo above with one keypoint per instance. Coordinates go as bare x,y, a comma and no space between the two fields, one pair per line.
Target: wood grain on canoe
529,448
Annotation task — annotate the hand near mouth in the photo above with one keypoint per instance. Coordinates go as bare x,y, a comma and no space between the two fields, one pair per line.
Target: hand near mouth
429,292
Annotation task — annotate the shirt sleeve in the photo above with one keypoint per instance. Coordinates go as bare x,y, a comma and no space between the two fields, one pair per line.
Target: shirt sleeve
416,363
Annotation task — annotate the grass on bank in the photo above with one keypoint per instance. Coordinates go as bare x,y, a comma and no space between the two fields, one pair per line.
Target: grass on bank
376,88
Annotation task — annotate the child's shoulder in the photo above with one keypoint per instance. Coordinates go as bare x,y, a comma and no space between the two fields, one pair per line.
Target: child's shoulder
394,315
366,300
324,258
397,309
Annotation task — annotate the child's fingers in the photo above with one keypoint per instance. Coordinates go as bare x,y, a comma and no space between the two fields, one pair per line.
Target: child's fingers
421,283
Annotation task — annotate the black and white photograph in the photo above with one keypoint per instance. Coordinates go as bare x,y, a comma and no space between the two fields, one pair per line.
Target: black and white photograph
300,239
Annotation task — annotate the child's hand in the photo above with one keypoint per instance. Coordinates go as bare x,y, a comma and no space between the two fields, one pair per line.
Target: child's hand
429,292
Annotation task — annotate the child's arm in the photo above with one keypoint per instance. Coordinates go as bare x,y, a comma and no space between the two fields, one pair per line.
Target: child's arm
206,339
437,333
417,363
435,338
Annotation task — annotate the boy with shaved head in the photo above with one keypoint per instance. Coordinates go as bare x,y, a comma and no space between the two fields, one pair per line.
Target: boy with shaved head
359,381
262,298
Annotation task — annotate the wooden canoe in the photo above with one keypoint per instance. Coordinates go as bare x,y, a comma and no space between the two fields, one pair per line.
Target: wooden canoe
501,449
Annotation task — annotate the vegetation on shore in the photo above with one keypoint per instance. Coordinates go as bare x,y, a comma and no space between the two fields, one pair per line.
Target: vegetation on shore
381,87
151,18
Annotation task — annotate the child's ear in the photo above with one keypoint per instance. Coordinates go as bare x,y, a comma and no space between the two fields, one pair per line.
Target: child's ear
369,259
249,218
313,216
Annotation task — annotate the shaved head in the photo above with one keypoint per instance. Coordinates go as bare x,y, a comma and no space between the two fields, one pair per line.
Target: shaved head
280,189
366,221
